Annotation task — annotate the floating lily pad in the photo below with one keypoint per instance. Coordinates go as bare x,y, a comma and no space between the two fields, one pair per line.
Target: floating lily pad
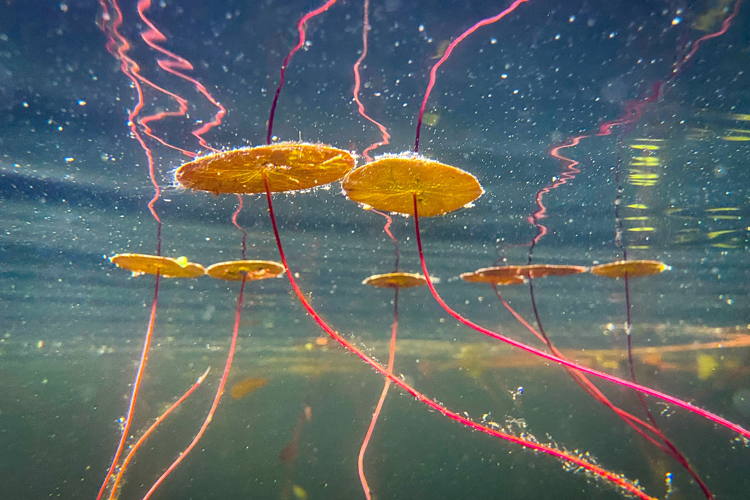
250,269
390,184
152,264
631,268
288,166
393,280
505,275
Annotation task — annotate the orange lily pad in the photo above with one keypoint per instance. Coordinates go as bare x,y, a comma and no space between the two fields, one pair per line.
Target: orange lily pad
288,166
390,183
167,267
505,275
251,270
631,268
544,270
393,280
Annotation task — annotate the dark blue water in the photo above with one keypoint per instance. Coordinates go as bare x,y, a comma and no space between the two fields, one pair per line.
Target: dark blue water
74,189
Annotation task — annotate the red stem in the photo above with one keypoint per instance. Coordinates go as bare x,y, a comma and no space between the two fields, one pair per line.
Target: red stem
634,422
136,389
433,71
385,136
142,439
300,43
376,414
217,397
615,380
615,479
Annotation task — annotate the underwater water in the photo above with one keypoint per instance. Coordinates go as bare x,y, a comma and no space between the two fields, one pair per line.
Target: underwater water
649,97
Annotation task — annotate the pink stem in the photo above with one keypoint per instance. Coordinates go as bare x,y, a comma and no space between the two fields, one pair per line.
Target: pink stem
616,479
357,84
391,357
217,398
300,43
136,388
724,27
433,71
131,454
615,380
172,65
634,422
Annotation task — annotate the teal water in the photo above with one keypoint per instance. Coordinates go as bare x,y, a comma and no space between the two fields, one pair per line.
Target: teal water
74,190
